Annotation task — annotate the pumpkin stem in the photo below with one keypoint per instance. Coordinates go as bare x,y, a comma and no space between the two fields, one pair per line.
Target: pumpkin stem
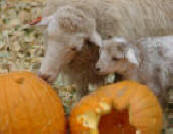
20,80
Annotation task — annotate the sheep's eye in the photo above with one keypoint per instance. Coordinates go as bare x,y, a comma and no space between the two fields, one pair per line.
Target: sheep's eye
115,59
73,49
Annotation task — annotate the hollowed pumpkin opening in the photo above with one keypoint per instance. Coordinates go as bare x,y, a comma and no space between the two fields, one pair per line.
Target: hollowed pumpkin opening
116,122
122,108
107,121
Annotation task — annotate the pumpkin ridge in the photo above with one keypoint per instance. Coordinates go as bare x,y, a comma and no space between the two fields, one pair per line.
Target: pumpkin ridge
51,100
54,97
28,110
38,98
55,117
137,111
139,98
140,101
7,105
48,94
46,87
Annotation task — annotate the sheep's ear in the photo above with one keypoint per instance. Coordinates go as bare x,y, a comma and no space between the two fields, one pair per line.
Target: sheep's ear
44,22
129,52
96,38
130,55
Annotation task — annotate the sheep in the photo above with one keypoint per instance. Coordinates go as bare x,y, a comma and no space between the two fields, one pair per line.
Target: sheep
147,60
65,48
70,24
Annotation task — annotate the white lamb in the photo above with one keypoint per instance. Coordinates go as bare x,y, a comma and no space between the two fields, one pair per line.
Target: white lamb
69,23
148,61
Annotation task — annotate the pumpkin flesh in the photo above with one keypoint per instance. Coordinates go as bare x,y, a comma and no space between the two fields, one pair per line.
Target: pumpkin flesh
111,122
116,122
123,108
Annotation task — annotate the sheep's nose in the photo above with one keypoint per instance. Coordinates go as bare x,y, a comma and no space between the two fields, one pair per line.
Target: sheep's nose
97,69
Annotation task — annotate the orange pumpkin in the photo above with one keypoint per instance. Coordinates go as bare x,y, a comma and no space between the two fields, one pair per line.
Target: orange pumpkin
28,105
123,108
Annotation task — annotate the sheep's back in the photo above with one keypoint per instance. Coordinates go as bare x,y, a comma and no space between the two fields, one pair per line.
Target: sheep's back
132,19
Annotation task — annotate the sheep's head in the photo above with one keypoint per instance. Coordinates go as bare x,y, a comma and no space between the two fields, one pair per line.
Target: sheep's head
116,55
67,29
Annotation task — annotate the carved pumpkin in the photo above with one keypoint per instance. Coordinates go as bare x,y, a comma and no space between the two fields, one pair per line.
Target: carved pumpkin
28,105
123,108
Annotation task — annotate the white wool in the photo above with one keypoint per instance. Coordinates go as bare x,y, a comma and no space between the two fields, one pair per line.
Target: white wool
145,61
97,20
119,39
131,56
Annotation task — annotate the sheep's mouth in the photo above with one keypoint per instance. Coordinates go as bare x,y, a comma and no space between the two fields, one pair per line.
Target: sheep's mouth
118,77
101,73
